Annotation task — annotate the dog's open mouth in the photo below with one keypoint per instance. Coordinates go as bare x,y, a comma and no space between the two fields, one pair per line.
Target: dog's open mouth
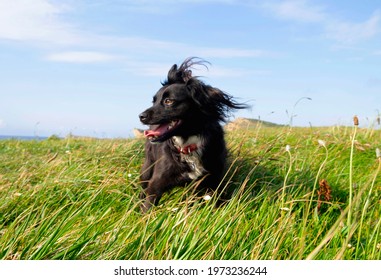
160,132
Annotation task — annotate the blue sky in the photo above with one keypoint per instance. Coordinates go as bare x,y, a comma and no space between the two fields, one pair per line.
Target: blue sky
89,67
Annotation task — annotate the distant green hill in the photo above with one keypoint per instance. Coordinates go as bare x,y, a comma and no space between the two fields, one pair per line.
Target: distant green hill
240,123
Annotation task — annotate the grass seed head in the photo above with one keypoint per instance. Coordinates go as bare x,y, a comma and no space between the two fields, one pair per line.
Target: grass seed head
324,192
355,120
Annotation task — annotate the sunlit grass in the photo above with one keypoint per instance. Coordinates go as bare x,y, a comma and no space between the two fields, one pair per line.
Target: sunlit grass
78,199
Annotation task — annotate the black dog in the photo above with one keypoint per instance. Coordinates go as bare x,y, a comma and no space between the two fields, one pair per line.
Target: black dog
185,139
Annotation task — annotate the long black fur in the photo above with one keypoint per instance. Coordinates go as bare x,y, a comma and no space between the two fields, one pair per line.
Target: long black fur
196,110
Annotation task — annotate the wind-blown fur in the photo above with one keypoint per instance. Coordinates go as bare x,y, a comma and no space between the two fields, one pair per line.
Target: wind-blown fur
185,141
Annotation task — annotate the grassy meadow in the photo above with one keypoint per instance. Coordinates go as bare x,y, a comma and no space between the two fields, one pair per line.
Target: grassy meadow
297,193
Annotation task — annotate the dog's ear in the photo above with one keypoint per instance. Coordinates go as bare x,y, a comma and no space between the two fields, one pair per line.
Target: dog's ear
208,99
203,94
212,101
178,75
172,74
198,92
187,75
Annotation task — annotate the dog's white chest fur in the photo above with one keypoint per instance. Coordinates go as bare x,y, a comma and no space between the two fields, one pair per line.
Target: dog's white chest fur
193,158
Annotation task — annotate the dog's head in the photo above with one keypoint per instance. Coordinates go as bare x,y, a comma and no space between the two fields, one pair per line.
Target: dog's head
184,105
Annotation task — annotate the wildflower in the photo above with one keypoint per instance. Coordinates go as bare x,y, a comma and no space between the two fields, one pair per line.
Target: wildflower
288,148
321,143
207,197
355,120
378,246
129,175
378,153
67,152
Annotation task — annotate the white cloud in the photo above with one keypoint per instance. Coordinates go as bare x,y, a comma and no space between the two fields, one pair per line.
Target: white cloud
349,32
211,71
339,30
140,45
37,20
166,6
45,21
232,53
42,21
81,57
298,10
220,72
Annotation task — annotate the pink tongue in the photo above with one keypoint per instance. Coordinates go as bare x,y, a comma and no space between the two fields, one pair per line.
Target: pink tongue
160,130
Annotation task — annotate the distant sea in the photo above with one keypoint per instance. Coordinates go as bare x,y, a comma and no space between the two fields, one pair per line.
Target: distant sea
38,138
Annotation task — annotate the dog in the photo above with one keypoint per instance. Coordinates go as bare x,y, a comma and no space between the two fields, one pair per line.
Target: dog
185,140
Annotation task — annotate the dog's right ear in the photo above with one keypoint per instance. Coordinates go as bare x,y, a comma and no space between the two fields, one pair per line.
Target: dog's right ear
182,74
172,72
173,75
178,75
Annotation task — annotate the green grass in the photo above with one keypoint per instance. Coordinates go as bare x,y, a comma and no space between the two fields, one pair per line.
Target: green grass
78,199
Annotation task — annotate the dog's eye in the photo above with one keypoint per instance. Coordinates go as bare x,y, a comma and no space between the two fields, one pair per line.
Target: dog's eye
168,102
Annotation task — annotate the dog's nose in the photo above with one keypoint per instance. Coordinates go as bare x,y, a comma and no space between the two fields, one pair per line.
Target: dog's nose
143,116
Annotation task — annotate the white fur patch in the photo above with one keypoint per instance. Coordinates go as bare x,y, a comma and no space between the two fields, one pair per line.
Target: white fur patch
193,159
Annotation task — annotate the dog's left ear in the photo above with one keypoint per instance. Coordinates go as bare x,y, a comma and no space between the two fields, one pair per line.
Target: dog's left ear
199,92
187,75
213,101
